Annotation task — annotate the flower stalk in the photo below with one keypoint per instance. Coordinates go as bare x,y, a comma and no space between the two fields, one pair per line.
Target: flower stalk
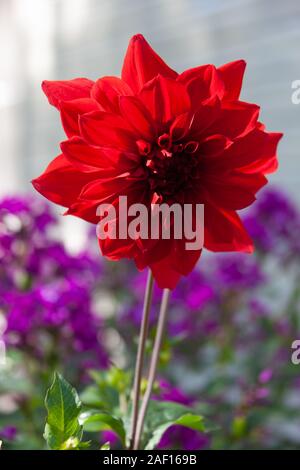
140,356
153,367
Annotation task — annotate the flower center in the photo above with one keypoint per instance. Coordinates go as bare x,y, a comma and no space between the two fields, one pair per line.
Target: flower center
172,167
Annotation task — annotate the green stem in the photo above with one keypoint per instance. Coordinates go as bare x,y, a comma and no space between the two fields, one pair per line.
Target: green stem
153,366
140,356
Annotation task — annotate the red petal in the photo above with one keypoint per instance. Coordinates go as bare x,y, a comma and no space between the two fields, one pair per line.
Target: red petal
181,126
85,157
116,249
183,260
88,157
255,152
61,182
232,76
236,119
152,250
202,83
204,116
214,145
165,276
234,190
103,189
107,90
165,99
65,90
224,231
142,63
107,130
265,159
138,116
266,167
170,254
86,210
71,110
108,193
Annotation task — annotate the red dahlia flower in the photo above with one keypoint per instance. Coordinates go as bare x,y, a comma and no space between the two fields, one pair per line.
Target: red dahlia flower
156,135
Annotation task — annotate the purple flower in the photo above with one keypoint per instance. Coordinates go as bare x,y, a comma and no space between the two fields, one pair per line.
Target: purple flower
62,305
196,289
265,376
169,393
274,224
44,289
109,436
262,393
27,212
8,433
238,271
180,437
258,309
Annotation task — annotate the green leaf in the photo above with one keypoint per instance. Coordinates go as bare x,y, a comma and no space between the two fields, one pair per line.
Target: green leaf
108,392
192,421
84,445
102,396
92,397
62,430
162,415
94,421
105,446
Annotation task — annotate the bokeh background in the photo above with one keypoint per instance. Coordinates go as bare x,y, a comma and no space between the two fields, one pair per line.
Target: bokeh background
53,285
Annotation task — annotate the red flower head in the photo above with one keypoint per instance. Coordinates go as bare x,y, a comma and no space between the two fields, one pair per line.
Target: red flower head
155,135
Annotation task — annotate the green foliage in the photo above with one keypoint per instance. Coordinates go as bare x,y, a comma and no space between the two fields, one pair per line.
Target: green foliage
67,421
94,421
108,389
164,414
63,430
105,446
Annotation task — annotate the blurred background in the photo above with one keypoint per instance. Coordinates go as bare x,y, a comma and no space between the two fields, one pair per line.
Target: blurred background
63,309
